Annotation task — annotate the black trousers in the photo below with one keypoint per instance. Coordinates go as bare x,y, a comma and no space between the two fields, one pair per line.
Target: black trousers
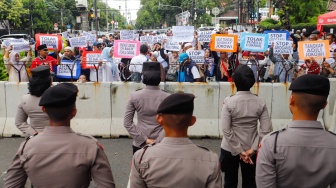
135,149
230,166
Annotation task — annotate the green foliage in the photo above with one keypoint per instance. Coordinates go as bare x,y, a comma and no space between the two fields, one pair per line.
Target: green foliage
270,24
3,71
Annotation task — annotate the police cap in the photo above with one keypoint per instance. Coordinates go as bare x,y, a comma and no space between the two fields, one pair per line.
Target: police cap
311,84
59,96
178,103
41,71
42,46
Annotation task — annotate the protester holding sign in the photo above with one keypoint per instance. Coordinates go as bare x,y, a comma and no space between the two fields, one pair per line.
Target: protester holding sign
209,66
16,67
108,69
44,59
284,66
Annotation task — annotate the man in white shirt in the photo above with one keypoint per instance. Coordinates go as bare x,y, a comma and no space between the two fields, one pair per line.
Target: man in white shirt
136,63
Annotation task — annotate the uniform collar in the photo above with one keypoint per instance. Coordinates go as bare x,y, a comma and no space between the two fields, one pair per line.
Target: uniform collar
57,130
152,87
305,124
176,141
243,92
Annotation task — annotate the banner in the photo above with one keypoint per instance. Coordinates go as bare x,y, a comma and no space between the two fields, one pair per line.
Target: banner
21,47
126,49
317,49
224,43
146,39
277,36
52,41
254,42
8,42
91,38
196,55
64,69
126,35
90,58
204,36
283,47
77,42
183,33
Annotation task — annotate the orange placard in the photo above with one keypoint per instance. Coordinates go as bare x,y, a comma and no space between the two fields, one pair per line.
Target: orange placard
224,43
318,49
52,41
90,59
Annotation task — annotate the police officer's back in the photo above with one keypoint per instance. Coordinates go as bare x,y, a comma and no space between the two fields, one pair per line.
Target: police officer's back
59,157
303,154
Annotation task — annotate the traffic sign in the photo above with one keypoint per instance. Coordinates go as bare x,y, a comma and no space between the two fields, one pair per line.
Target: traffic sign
55,25
55,28
215,11
68,26
112,22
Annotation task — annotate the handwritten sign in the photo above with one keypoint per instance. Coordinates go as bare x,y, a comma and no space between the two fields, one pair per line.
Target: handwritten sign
91,38
136,37
78,42
317,49
126,49
224,43
283,47
277,36
254,42
146,39
126,35
90,59
64,69
196,55
20,47
183,33
159,38
8,42
204,36
52,41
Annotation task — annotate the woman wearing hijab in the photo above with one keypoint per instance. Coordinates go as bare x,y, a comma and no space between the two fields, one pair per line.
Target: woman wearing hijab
16,67
108,71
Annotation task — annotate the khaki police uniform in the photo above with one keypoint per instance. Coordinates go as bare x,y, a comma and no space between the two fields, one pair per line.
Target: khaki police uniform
175,162
145,102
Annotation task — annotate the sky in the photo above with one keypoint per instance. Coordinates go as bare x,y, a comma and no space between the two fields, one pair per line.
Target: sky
132,6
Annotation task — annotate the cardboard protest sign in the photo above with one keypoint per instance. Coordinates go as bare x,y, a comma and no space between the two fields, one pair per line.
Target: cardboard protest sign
90,59
283,47
224,43
78,42
146,39
64,69
204,36
126,49
20,47
91,38
172,46
126,35
159,38
196,55
52,41
136,37
254,42
183,33
317,49
277,36
8,42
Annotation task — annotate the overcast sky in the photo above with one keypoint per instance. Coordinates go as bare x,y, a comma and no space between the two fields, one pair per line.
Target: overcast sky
132,6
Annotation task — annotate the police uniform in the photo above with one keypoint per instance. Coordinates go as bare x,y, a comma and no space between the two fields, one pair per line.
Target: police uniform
175,162
59,157
303,154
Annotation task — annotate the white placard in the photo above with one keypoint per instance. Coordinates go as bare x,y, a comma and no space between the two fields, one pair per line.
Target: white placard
283,47
7,42
146,39
224,43
204,36
136,37
127,49
63,69
272,37
126,35
20,47
91,38
314,50
183,33
78,42
196,55
65,35
50,41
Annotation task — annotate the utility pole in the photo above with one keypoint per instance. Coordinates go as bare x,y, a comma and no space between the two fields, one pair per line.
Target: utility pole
96,16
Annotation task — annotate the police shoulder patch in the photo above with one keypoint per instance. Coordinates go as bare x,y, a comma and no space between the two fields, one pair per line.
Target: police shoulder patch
278,131
88,136
202,147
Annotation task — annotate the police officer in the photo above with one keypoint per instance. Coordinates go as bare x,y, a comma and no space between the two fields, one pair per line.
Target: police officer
59,157
175,161
145,102
303,154
239,116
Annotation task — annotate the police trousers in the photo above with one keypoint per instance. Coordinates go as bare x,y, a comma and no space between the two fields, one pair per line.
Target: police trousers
230,165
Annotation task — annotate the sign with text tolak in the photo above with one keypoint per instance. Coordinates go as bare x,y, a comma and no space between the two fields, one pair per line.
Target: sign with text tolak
126,49
254,42
183,33
52,41
90,59
196,55
318,49
204,36
276,36
20,46
126,35
8,42
283,47
224,43
146,39
64,69
77,42
172,46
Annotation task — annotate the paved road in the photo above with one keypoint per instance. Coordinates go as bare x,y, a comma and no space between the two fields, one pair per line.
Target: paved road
118,151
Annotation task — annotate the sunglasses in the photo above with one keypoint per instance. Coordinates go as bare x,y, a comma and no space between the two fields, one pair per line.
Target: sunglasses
45,50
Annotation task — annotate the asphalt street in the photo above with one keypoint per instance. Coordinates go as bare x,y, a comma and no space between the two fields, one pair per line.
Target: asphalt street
118,151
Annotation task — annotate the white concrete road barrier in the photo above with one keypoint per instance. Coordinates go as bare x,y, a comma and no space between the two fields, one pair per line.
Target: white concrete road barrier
3,115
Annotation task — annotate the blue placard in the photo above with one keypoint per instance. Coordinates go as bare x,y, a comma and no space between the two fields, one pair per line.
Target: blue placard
277,35
254,42
63,70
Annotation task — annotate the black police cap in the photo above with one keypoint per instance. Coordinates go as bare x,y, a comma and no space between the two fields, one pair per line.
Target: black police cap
59,96
41,71
311,84
178,103
42,46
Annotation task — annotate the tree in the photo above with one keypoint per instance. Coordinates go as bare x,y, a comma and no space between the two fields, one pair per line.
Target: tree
12,10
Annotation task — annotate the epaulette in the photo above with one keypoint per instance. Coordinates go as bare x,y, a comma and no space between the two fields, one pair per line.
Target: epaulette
27,139
138,89
332,133
144,150
202,147
278,131
88,136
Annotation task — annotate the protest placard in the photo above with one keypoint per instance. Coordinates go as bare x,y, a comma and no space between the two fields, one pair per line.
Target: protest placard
65,35
146,39
136,37
276,36
254,42
204,36
126,49
91,38
283,47
78,42
21,46
85,33
172,46
224,43
183,33
196,55
126,35
90,59
8,42
239,36
64,69
52,41
318,49
160,38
